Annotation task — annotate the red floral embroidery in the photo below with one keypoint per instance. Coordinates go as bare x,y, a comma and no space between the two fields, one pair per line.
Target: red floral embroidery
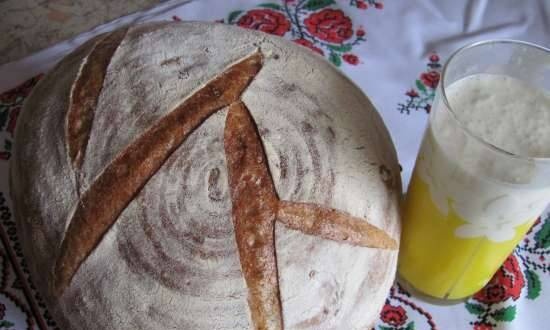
513,280
351,59
434,58
330,25
315,24
482,326
394,315
412,93
506,283
519,276
10,105
491,294
430,79
265,20
17,94
422,94
362,4
310,45
12,120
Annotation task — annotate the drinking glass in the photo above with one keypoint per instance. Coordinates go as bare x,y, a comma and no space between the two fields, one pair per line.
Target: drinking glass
470,202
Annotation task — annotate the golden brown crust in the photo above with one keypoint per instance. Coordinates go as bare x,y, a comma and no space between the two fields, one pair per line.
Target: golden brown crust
332,224
100,206
254,205
85,94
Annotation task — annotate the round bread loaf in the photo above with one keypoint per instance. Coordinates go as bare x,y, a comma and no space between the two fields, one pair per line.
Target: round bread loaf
201,176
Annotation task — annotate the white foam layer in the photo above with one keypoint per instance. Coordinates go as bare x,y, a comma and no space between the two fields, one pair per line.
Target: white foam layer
491,191
503,111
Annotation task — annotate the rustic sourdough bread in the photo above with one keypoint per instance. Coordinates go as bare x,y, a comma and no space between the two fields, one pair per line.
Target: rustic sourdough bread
200,176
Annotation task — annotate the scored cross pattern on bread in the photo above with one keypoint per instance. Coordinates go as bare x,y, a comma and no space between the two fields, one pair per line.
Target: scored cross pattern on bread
255,204
110,193
256,207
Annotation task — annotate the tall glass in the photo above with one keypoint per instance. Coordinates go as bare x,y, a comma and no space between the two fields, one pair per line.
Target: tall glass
470,201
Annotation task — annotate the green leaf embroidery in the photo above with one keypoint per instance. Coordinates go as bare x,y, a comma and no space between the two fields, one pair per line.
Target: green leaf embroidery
341,48
410,326
505,314
533,284
7,145
318,4
271,5
6,324
542,237
381,327
233,15
3,118
335,59
475,309
420,86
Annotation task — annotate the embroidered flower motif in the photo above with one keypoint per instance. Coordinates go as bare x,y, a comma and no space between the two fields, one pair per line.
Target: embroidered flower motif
482,326
421,96
266,20
430,79
519,276
361,4
364,4
314,24
491,294
400,312
506,283
329,25
11,103
351,59
412,93
394,315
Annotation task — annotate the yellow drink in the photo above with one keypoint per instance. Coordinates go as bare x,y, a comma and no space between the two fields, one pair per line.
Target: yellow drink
437,262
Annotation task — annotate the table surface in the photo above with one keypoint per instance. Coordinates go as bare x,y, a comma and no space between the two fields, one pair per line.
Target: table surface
395,55
30,25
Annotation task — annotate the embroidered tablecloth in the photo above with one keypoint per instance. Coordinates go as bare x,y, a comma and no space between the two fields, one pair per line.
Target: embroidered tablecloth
394,51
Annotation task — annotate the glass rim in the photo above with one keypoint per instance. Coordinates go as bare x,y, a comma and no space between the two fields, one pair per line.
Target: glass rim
469,132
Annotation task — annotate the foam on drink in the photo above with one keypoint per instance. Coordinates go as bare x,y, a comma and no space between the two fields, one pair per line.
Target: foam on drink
503,111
